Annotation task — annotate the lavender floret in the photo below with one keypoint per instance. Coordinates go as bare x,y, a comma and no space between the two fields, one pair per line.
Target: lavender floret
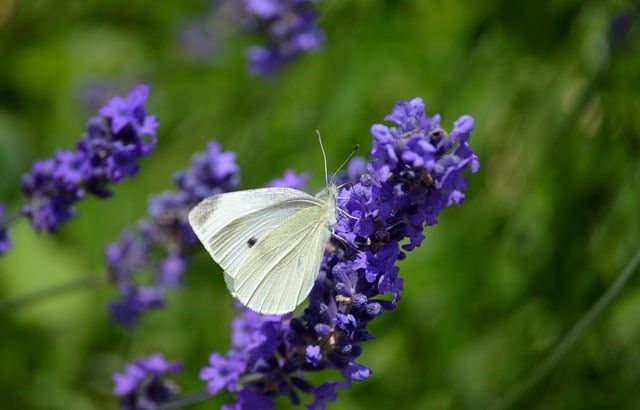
144,385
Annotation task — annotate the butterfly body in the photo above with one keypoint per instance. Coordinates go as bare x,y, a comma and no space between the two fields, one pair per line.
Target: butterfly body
268,241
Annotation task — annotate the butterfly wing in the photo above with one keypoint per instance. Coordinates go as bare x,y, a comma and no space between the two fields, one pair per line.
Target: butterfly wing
231,225
279,272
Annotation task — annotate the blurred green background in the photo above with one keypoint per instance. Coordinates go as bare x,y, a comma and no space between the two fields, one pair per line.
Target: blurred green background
549,222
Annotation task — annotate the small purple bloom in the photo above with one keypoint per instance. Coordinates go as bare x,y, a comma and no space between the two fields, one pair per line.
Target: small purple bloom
212,172
143,385
129,111
291,180
134,302
313,355
323,394
263,61
223,372
126,256
264,8
5,242
127,382
171,270
358,372
157,365
357,167
249,399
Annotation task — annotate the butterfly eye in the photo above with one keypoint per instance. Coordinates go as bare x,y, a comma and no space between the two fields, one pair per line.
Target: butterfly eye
252,241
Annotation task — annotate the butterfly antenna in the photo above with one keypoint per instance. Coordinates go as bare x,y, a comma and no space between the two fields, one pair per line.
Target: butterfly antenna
324,157
353,151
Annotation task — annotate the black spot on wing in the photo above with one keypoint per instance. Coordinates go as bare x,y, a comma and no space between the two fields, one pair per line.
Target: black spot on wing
252,241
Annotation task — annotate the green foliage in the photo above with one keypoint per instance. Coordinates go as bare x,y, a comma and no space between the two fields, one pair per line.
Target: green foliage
549,221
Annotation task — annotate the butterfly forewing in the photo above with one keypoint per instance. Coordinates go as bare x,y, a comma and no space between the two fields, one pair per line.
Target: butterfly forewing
268,241
230,225
279,272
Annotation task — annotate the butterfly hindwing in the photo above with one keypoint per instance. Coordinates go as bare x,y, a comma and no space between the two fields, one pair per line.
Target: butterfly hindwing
279,272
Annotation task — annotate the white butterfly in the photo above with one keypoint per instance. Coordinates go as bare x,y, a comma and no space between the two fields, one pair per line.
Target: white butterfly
268,241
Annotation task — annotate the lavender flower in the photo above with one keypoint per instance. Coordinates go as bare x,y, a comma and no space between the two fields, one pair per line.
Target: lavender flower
143,385
159,245
288,27
313,354
5,242
106,153
323,394
414,173
223,373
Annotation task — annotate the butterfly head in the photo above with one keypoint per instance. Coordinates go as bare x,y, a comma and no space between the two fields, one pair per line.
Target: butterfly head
328,197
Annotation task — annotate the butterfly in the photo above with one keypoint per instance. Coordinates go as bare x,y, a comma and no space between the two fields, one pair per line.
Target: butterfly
268,241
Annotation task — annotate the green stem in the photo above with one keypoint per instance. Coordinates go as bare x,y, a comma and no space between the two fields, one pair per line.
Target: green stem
57,290
511,399
8,221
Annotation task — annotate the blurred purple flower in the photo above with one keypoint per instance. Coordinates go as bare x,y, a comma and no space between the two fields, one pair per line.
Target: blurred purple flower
147,262
288,28
291,180
223,372
143,385
619,26
106,153
249,399
5,242
415,171
212,172
265,8
323,394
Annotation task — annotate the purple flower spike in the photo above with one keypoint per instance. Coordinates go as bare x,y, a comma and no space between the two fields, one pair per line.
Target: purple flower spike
108,152
288,27
414,172
156,252
143,384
